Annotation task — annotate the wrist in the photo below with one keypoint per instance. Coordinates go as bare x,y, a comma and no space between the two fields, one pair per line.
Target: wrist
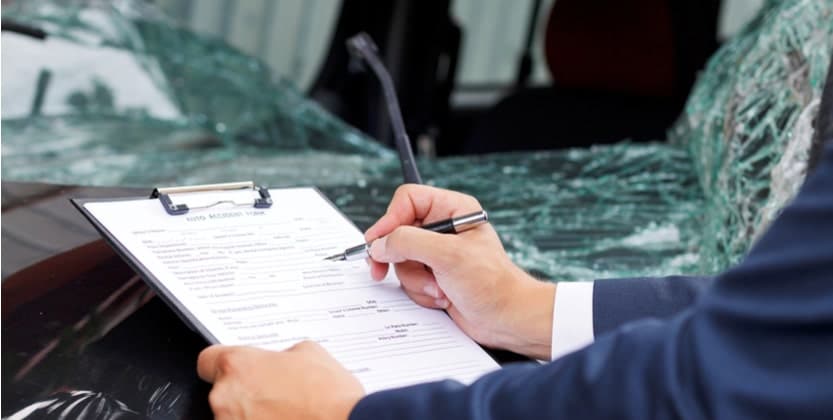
527,328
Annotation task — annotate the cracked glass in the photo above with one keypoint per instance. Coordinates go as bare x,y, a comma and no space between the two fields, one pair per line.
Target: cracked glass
163,106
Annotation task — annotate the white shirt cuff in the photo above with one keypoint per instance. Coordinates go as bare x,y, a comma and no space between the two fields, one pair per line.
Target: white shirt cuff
572,317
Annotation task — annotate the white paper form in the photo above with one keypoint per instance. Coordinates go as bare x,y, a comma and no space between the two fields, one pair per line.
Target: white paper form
257,277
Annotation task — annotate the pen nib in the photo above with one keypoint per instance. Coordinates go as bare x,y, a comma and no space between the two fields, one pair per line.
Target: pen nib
336,257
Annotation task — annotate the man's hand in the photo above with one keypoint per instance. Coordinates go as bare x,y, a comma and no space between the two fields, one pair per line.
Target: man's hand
303,382
469,274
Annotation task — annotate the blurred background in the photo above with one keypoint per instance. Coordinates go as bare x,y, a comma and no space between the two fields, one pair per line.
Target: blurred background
474,75
280,32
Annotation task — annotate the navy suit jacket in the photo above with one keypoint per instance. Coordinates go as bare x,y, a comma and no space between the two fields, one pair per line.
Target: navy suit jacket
618,302
757,343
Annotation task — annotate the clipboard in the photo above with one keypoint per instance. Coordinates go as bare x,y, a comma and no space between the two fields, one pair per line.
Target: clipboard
177,208
174,209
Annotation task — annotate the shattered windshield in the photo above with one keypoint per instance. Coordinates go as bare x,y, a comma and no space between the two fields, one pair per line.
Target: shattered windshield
119,95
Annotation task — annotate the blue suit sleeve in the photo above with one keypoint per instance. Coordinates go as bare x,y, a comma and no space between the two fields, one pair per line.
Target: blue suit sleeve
618,302
758,344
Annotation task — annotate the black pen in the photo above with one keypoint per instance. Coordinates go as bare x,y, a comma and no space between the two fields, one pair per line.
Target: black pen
452,225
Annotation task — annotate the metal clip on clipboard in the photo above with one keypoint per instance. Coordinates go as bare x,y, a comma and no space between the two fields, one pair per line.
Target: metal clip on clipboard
164,196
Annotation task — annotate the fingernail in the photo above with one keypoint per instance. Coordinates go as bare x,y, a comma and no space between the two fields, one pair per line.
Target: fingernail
377,249
431,290
442,303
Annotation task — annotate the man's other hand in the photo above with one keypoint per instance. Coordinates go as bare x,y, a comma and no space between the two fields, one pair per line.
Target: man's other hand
303,382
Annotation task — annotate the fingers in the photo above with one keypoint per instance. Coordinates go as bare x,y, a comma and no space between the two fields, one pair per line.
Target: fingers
378,270
412,205
409,204
420,285
209,360
307,346
409,243
417,279
217,360
415,203
386,224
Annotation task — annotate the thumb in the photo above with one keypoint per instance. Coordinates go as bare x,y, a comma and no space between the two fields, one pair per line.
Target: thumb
410,243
